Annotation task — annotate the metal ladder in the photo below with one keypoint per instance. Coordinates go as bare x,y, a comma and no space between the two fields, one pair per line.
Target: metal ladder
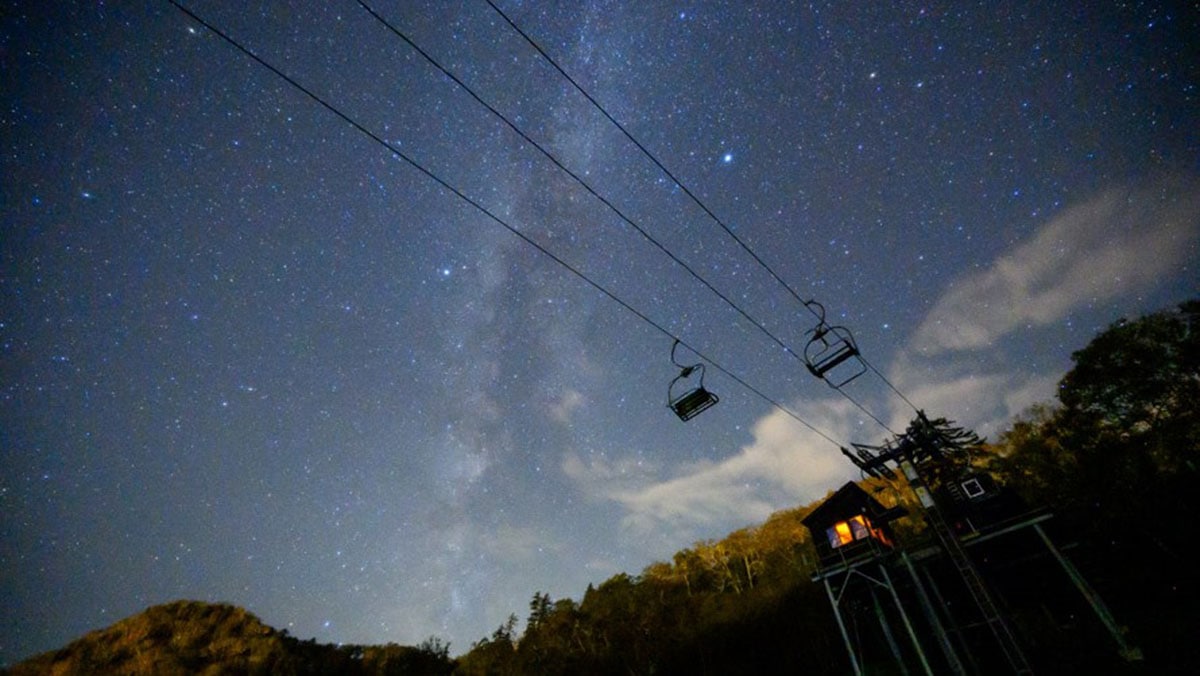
979,593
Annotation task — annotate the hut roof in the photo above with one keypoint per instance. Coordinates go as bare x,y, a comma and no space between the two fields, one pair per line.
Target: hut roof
847,501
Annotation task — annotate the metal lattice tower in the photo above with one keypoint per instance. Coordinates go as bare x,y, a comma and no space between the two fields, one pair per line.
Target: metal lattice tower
920,442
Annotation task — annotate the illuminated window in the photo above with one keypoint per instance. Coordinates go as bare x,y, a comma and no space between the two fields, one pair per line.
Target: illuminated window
845,532
839,534
859,526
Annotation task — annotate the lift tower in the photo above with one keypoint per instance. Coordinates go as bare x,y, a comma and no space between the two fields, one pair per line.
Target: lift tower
919,444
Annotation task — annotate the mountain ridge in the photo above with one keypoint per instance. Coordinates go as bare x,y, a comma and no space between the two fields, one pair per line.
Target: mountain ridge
198,637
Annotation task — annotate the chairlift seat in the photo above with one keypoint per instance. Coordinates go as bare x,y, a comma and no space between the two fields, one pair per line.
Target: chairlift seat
829,348
693,403
837,354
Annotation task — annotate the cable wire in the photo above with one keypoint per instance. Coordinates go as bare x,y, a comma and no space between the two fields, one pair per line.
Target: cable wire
492,216
608,203
576,177
687,191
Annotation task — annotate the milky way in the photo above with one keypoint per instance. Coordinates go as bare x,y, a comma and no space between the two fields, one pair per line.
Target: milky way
253,354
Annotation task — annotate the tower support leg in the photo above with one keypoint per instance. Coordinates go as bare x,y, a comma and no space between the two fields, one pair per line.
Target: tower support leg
912,634
1129,652
956,665
887,633
837,615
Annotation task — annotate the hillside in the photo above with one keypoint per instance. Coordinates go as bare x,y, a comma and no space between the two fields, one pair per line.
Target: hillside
192,637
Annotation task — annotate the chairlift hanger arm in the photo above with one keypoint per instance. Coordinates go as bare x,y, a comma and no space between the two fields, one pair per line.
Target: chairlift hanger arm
690,402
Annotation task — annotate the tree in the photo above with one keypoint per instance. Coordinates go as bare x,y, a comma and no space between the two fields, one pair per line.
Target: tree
744,551
495,655
434,646
1032,459
1138,382
956,449
539,610
1119,454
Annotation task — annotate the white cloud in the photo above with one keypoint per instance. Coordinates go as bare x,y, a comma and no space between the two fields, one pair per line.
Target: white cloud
1119,242
1026,391
787,464
984,401
1115,245
600,478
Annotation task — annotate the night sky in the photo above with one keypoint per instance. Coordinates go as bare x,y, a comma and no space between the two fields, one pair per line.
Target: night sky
249,353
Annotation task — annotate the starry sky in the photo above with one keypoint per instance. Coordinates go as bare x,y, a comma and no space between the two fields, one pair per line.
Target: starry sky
252,352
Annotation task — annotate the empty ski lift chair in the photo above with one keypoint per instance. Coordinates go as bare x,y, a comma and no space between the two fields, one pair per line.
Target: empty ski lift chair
828,348
686,394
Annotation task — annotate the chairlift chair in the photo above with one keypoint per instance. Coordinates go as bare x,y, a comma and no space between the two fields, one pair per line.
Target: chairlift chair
827,349
688,402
